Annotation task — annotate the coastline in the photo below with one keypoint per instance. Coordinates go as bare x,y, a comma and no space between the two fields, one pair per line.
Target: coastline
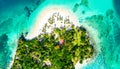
46,13
80,66
43,16
104,46
93,34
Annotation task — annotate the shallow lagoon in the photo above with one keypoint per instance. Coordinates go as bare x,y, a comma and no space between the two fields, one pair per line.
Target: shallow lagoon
18,16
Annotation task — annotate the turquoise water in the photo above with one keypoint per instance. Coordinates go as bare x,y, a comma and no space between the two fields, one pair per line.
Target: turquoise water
19,16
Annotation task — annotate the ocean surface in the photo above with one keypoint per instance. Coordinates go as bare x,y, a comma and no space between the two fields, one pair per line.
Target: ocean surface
18,16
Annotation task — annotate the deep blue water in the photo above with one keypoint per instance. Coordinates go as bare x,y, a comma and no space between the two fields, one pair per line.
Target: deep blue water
17,16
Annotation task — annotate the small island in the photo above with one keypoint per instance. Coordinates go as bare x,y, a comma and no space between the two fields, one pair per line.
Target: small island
57,47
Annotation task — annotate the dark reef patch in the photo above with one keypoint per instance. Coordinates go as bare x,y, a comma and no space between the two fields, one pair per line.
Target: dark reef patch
116,4
3,42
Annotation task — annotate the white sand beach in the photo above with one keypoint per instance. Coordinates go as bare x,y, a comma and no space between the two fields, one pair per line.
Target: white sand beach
80,66
46,13
43,17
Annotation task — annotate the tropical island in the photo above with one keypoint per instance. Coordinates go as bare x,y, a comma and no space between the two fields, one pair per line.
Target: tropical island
60,45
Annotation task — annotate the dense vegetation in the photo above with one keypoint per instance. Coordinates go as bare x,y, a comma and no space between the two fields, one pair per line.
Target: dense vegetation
60,49
46,51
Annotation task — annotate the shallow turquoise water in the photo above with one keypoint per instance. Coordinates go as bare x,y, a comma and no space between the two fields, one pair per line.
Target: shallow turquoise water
18,16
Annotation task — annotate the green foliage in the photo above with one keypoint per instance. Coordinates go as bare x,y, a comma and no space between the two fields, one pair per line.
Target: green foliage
32,54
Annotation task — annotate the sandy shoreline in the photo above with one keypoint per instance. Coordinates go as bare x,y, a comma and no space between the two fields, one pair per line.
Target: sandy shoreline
46,13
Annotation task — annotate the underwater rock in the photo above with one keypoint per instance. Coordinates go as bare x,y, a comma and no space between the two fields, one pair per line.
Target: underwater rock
39,2
109,13
28,11
84,3
83,12
3,42
75,7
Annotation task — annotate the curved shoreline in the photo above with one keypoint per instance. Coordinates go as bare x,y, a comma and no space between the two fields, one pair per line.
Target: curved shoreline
43,16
